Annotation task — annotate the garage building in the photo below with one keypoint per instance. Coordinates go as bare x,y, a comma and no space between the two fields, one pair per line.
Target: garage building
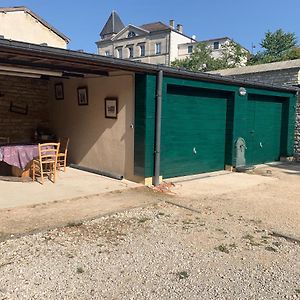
168,122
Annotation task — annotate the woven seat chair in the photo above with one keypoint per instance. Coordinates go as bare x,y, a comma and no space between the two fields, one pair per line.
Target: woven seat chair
63,153
46,163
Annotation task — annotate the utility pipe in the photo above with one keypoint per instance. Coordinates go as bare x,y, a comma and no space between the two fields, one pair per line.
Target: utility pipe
158,128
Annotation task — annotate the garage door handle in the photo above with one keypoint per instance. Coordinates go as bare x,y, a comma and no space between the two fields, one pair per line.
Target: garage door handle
194,150
260,145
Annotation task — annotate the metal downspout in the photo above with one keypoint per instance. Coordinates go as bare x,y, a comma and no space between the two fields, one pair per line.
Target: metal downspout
158,128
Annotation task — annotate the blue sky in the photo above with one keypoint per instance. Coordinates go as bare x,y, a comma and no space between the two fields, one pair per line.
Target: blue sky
244,21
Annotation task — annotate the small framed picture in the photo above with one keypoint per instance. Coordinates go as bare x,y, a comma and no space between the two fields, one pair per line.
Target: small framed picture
59,91
111,108
82,96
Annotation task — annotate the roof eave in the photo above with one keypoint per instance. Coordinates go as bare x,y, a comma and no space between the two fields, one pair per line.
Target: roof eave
121,64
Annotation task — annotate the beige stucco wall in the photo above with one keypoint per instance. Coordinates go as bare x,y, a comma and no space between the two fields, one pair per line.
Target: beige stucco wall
21,26
215,53
95,141
176,40
183,49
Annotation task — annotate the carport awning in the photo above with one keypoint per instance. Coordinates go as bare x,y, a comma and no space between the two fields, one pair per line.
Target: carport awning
13,57
75,63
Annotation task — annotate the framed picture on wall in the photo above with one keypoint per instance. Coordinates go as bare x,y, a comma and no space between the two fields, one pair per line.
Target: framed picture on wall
111,108
82,96
59,91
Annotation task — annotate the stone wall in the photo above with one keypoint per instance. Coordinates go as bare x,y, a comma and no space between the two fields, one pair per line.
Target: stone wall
282,77
21,92
297,131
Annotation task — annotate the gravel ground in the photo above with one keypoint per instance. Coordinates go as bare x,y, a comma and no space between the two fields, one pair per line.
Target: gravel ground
159,252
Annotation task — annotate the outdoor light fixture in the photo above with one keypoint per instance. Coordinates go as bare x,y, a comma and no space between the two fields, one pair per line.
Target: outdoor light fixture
242,91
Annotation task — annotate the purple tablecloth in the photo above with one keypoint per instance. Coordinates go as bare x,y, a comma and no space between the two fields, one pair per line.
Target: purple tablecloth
18,155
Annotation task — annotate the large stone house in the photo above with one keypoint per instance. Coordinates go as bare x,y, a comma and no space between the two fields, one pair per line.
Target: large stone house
155,43
21,24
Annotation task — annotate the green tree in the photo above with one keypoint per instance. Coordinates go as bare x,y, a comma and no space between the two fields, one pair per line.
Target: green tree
200,60
277,46
232,55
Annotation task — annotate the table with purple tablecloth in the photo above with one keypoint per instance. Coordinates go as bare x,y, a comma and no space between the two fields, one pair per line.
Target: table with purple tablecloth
18,155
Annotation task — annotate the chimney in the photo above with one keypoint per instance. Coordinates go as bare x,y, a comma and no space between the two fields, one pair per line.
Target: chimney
172,24
180,28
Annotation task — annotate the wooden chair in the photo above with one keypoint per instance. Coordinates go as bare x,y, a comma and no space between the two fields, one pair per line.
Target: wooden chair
46,163
63,153
4,140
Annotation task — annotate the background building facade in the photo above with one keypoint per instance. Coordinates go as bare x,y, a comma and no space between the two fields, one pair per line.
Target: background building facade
155,43
21,24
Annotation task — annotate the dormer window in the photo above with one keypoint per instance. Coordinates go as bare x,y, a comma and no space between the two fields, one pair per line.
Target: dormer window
131,34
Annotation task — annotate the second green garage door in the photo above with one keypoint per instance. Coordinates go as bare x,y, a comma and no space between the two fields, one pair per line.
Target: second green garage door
264,129
193,131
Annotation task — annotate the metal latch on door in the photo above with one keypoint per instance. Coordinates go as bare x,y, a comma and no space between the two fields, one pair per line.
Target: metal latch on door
194,150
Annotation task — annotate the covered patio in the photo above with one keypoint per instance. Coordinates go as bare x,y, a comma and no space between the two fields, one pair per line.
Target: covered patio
48,93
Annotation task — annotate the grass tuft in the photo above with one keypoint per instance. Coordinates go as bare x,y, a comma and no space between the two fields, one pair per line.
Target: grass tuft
271,249
74,224
183,275
223,248
143,220
248,237
79,270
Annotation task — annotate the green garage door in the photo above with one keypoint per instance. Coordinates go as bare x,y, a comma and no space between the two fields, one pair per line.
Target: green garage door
264,127
193,131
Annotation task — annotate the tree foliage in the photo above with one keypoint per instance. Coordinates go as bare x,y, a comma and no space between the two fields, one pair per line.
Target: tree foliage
231,55
277,46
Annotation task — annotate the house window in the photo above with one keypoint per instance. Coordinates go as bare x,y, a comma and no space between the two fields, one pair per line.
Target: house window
142,50
216,45
131,34
107,53
190,49
130,51
158,48
119,52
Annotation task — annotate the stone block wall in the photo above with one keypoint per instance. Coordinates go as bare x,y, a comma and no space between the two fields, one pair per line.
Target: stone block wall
297,130
285,77
281,77
21,92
